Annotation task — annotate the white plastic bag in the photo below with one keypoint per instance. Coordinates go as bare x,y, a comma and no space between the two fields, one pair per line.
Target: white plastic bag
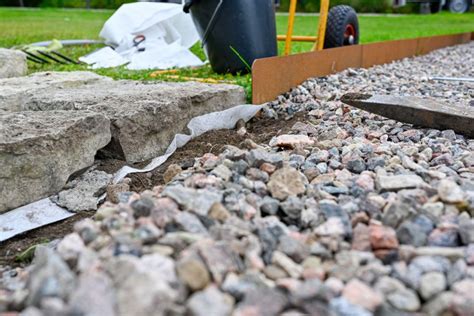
168,34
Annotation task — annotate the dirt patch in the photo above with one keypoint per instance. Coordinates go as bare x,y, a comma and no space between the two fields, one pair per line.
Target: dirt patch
11,248
260,130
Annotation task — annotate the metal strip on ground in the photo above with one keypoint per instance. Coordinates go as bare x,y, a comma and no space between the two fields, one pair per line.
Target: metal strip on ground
31,216
417,111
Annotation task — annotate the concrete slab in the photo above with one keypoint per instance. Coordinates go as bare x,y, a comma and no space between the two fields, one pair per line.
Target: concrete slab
15,91
39,151
53,124
144,116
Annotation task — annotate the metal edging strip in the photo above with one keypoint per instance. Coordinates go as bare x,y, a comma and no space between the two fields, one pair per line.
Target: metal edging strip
273,76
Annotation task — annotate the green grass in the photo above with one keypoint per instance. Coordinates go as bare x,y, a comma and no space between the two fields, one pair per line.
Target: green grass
390,27
23,26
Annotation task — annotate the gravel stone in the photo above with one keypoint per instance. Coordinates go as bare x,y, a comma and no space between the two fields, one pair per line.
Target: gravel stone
466,232
190,223
444,237
361,238
399,182
293,248
356,165
292,207
405,300
269,205
219,212
358,293
222,172
450,192
439,304
210,302
284,262
198,201
291,141
94,295
410,233
342,306
220,259
382,237
257,157
142,207
431,284
286,182
265,302
171,172
51,277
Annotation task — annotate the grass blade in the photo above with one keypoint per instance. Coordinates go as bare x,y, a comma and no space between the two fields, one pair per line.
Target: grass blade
241,58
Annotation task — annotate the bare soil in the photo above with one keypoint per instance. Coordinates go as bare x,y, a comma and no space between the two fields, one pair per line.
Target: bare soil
258,130
11,248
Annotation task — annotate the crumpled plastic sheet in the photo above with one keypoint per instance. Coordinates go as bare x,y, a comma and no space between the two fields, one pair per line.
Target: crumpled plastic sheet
168,32
44,212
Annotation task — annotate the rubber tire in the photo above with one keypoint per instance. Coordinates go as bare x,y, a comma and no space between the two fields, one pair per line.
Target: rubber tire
468,5
338,17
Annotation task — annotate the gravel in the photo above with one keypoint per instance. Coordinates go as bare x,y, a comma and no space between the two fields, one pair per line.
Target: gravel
348,214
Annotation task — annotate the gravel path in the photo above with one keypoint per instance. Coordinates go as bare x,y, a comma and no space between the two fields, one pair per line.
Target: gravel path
349,214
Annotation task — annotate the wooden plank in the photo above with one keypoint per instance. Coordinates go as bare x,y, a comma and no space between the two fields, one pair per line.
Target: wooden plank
276,75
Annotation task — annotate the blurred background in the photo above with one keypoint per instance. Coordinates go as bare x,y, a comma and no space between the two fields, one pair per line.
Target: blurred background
362,6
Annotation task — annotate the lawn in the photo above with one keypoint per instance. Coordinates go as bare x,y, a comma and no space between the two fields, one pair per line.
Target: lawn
23,26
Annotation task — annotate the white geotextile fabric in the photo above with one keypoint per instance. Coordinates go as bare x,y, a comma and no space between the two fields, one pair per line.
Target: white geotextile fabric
168,32
197,126
45,212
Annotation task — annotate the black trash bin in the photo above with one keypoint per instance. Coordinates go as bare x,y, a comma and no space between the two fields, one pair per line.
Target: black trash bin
232,30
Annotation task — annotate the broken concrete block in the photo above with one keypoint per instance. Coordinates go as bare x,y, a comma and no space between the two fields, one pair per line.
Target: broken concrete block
12,63
39,151
82,194
145,116
144,130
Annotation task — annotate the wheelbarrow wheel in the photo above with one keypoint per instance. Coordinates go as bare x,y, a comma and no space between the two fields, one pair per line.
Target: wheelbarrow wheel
342,27
458,6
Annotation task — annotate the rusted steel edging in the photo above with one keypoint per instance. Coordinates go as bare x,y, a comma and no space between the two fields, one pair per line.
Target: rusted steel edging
276,75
